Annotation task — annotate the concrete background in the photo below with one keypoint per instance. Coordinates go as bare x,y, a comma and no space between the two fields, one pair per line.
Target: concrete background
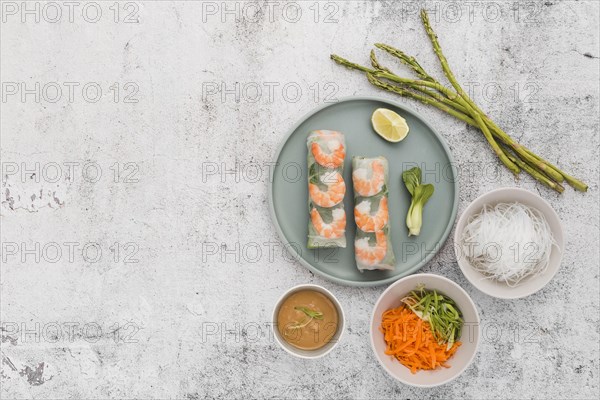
135,226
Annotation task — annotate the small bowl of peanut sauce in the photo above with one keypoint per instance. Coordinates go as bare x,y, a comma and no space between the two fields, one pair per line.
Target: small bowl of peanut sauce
308,321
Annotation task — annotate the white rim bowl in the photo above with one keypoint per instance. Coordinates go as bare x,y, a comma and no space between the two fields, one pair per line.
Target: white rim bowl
309,354
528,285
463,357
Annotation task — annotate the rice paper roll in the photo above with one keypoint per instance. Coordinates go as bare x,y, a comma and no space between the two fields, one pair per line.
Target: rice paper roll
372,243
326,189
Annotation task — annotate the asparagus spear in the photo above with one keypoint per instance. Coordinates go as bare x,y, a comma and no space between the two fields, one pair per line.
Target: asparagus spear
541,164
457,103
473,110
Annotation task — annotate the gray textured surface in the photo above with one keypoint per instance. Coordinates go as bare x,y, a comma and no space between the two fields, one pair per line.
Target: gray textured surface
190,309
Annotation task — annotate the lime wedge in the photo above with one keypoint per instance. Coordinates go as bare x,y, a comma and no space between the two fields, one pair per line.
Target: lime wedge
389,125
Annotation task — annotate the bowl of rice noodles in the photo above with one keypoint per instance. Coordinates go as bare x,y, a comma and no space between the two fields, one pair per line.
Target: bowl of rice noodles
509,243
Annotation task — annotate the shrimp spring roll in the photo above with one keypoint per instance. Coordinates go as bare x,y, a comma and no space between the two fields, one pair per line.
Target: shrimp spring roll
372,244
326,188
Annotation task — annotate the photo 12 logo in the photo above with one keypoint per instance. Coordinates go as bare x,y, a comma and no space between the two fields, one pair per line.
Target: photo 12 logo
499,92
250,172
266,252
69,92
68,332
55,12
69,252
36,185
488,11
294,172
269,92
69,171
270,11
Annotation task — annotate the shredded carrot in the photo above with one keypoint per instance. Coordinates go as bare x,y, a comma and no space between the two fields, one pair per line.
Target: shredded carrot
410,340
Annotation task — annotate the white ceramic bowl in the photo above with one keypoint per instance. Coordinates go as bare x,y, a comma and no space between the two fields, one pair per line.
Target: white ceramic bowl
469,336
528,285
309,354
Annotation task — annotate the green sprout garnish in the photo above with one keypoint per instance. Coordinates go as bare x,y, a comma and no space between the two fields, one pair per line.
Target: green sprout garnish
310,315
440,311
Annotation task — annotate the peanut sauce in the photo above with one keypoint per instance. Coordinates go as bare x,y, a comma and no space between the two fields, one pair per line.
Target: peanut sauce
307,319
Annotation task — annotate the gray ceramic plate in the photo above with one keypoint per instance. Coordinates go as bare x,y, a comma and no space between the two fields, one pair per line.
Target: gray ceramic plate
423,147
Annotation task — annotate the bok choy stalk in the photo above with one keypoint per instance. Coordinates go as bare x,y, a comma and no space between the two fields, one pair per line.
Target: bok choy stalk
420,195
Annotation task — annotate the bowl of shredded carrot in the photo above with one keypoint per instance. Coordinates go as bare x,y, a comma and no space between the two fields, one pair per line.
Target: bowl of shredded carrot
425,330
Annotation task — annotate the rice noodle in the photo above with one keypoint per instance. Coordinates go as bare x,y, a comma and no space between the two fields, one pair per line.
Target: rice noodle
508,242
